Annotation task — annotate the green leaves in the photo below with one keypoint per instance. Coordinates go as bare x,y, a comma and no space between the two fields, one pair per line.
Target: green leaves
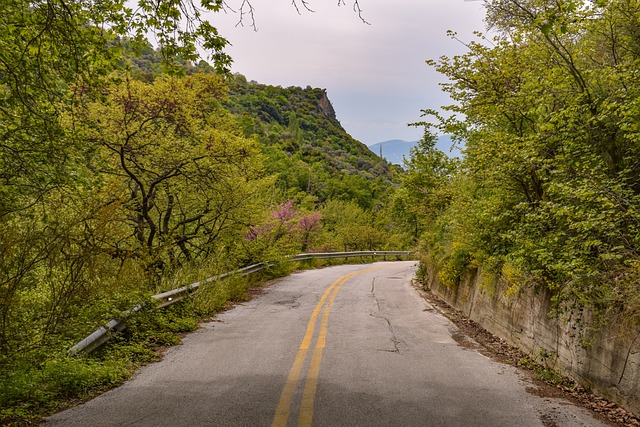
549,115
424,192
176,165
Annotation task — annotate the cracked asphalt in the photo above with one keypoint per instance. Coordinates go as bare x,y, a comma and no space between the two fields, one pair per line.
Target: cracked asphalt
356,345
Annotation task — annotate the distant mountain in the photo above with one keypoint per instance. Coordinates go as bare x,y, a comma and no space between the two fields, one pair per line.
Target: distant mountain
395,149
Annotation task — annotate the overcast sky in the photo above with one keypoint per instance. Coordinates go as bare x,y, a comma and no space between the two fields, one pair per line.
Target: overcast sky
375,75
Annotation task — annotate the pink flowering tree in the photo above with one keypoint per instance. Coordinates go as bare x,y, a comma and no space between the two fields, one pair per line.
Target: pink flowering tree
309,226
286,230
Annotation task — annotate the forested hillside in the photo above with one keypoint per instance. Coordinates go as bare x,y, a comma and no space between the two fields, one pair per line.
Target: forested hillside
305,145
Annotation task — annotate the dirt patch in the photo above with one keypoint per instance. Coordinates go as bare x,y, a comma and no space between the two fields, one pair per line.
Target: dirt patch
501,351
261,288
547,421
464,341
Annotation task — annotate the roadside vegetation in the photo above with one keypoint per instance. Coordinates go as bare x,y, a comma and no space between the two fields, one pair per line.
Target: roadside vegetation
126,171
547,193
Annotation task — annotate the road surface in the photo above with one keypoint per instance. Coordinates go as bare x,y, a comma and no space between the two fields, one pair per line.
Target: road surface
341,346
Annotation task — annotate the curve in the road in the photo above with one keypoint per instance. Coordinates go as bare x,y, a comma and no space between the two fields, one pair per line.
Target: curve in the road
283,409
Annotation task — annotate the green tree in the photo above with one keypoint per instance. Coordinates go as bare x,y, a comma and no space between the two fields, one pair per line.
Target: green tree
549,112
350,227
424,190
176,165
52,53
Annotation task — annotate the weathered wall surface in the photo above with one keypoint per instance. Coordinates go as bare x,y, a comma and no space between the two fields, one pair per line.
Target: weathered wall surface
610,365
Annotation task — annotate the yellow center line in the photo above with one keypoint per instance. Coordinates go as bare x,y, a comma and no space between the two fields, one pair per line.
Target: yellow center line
284,405
283,409
311,385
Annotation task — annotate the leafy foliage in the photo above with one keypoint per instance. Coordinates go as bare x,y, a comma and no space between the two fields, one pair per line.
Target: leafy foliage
174,163
54,224
126,170
423,194
549,183
306,146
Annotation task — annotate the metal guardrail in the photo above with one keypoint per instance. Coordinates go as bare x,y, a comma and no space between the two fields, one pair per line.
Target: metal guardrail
329,255
103,334
170,297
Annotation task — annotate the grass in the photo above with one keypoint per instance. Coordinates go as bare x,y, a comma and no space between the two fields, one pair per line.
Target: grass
28,390
544,373
46,380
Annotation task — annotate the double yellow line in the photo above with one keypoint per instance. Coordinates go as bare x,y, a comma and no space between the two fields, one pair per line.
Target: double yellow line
309,393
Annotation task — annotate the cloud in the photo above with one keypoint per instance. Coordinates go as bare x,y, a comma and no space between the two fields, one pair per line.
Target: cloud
374,74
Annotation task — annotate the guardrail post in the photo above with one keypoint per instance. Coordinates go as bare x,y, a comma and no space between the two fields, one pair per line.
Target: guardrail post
103,334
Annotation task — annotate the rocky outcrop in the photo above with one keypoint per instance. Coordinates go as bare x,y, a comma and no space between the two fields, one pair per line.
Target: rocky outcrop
325,106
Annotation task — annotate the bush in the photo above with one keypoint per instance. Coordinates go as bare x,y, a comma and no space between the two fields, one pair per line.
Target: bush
28,389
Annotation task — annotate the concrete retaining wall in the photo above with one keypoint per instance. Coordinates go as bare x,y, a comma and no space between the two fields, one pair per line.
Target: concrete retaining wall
609,364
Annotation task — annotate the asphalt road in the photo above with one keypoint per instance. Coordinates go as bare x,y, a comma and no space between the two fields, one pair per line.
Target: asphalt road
341,346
